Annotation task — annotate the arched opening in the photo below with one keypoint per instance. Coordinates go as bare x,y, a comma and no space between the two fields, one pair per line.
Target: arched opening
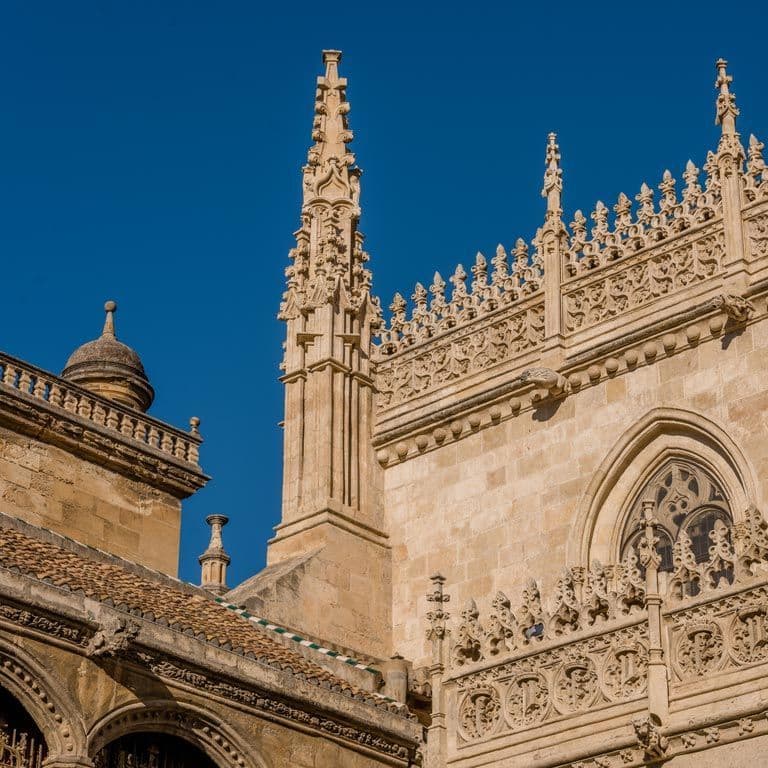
151,750
21,743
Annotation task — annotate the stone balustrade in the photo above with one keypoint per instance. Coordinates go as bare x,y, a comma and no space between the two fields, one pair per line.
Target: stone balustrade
59,394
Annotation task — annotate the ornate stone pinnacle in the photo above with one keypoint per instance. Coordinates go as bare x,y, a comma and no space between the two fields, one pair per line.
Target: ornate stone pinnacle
553,179
214,560
726,110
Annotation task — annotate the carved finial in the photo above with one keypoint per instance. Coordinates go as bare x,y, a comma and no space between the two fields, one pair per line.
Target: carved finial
110,307
214,560
194,425
726,110
553,179
438,615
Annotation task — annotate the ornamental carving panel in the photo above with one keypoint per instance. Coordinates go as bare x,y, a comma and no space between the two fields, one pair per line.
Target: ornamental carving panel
625,671
527,700
757,231
664,271
700,650
479,713
576,685
457,355
749,634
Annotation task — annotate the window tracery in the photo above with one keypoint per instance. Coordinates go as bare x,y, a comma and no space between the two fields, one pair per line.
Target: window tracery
687,500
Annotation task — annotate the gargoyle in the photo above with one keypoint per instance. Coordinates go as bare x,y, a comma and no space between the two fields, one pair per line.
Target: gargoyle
546,379
112,638
650,738
736,307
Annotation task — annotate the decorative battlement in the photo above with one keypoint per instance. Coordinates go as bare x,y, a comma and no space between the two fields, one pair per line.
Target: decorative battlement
620,270
615,636
52,408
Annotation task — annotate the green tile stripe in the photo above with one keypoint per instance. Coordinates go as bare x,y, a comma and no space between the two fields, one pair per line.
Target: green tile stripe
300,640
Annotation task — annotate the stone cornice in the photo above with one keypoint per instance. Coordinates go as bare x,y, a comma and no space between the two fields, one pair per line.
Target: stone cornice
60,413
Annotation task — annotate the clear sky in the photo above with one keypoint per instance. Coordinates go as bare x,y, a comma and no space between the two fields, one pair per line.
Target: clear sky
150,153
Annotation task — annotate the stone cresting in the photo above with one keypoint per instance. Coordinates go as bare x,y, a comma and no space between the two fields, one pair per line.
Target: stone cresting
622,265
590,647
56,410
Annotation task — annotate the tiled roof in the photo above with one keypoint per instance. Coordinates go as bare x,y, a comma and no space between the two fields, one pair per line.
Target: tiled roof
182,608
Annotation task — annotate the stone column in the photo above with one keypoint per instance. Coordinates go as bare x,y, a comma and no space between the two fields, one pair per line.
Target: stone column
658,687
437,633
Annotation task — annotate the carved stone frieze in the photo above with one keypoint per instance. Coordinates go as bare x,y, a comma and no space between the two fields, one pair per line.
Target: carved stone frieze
479,713
643,279
266,702
45,624
459,354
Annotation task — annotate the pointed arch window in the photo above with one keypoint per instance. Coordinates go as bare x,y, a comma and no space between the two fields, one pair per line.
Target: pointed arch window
686,498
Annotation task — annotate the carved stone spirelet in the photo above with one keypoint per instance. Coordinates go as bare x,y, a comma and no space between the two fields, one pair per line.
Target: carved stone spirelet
479,713
527,701
502,626
468,645
576,685
699,650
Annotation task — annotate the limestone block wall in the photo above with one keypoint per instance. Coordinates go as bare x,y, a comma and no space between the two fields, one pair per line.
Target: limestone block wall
507,499
52,488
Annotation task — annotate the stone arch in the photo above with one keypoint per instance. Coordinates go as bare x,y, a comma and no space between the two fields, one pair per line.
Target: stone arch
661,435
184,720
56,716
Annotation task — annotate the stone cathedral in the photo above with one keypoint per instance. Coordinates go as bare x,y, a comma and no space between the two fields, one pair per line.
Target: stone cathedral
523,518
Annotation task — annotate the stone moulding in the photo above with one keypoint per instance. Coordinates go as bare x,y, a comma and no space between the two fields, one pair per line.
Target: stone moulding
55,411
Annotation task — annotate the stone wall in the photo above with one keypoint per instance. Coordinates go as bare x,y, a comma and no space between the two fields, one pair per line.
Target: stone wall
52,488
505,502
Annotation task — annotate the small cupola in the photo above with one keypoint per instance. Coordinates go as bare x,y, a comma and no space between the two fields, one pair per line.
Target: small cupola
109,368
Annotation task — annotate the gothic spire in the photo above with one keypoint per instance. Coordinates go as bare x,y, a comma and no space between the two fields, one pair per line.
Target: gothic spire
553,179
328,260
330,171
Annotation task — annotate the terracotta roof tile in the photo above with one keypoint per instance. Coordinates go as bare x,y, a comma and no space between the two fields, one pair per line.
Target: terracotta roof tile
161,603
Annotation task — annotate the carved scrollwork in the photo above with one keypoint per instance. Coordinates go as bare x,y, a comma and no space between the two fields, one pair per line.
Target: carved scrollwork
479,713
749,634
576,685
527,701
700,650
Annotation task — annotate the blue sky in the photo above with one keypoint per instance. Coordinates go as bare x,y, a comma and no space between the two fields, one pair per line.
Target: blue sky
150,153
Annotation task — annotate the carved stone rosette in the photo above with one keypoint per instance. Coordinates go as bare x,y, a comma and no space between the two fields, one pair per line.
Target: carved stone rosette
479,713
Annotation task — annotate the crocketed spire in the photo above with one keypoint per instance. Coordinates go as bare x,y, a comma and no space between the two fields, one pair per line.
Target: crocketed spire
109,368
